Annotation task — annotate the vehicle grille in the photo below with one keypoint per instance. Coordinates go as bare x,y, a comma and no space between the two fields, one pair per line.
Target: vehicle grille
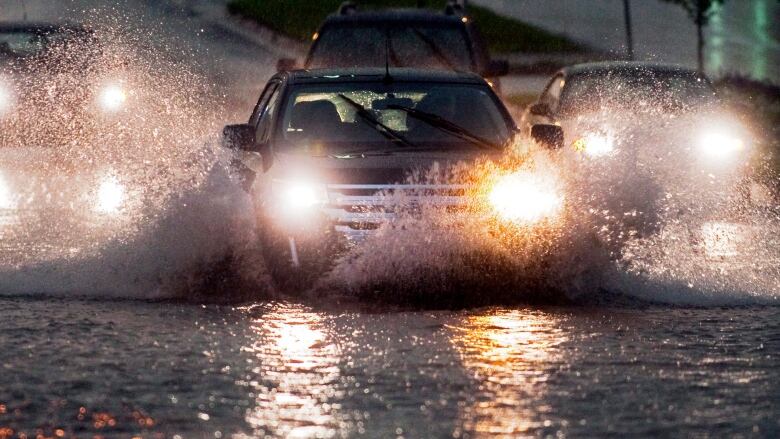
357,210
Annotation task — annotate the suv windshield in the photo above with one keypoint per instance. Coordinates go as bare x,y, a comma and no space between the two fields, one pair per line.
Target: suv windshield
635,90
424,46
327,119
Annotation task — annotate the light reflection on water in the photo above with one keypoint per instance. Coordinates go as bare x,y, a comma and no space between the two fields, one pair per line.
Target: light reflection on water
509,353
287,370
297,375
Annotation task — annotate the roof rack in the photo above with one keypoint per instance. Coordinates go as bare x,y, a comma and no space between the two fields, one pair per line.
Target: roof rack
347,8
455,7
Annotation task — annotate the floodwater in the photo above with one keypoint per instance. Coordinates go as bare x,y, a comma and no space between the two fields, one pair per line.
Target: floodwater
105,334
291,370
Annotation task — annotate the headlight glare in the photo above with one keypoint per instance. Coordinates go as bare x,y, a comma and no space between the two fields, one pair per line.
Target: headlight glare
110,196
112,98
720,145
298,196
525,198
595,145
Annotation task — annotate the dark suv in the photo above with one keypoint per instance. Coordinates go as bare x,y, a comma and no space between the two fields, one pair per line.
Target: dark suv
326,145
415,38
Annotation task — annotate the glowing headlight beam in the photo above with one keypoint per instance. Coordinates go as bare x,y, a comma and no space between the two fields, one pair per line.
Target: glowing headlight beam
720,145
301,196
523,197
595,145
110,196
112,98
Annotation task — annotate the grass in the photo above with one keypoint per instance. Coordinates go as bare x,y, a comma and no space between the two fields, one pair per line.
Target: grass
299,19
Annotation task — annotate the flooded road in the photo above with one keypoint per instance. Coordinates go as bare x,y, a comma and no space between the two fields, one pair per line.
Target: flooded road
291,370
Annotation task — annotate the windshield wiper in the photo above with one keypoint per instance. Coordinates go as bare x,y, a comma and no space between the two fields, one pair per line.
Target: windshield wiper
447,126
379,152
374,123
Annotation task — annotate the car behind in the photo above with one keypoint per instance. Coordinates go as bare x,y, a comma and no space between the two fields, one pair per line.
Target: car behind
412,38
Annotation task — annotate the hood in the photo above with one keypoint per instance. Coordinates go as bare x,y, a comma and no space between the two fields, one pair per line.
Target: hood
390,168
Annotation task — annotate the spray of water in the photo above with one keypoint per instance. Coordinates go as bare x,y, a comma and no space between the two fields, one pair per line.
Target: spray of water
648,212
505,246
120,190
111,182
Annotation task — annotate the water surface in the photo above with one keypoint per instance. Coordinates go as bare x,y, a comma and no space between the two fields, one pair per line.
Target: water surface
162,369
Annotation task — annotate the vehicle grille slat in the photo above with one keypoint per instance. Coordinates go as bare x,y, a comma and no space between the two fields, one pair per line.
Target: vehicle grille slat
357,210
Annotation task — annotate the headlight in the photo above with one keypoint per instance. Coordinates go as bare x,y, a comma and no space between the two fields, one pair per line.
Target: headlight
595,145
524,197
112,98
110,196
720,145
298,196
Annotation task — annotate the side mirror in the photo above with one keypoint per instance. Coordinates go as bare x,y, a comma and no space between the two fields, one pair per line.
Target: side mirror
285,64
240,137
495,68
540,109
551,136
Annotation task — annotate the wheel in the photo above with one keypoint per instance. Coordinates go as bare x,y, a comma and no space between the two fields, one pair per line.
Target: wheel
296,262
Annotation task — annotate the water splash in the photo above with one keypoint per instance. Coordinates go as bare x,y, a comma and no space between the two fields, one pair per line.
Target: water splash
653,219
120,189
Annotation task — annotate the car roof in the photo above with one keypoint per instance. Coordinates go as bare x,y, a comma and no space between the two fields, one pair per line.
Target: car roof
342,75
394,16
625,66
40,28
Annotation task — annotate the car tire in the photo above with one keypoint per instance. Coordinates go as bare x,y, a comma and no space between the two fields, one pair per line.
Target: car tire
315,258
